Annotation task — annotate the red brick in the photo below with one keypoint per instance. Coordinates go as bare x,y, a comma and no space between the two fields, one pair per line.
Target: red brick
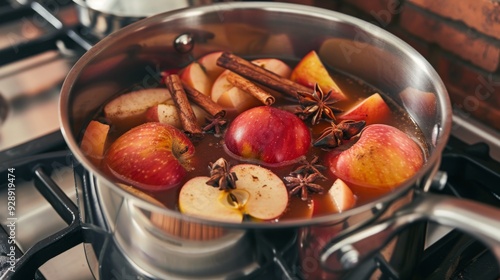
419,45
482,85
482,15
472,90
383,12
474,108
465,43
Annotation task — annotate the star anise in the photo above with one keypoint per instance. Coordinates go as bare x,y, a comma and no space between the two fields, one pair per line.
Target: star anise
220,177
215,124
303,185
310,167
336,134
318,105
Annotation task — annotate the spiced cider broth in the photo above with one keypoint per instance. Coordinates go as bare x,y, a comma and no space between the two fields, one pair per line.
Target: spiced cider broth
211,147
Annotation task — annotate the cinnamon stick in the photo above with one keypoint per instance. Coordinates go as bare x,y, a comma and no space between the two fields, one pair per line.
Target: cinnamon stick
181,102
205,102
259,74
244,84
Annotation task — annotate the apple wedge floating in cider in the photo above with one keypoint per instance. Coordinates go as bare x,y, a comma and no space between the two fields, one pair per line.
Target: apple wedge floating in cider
311,71
94,141
372,110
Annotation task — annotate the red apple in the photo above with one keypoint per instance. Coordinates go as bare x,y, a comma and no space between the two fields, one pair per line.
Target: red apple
268,135
260,193
311,70
94,141
151,156
382,158
372,110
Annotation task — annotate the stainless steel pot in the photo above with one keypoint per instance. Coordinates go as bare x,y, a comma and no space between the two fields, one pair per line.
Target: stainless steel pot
134,57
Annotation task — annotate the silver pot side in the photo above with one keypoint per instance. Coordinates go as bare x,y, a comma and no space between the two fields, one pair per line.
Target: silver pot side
103,17
134,57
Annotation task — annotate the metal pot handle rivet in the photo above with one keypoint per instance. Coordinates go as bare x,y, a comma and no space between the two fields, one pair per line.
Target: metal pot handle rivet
184,43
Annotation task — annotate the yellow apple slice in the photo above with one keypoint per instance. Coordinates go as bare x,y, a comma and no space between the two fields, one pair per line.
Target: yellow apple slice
341,196
231,97
94,141
268,195
128,110
167,113
310,70
198,199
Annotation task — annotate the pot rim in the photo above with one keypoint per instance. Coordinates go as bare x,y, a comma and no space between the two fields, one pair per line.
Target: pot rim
297,9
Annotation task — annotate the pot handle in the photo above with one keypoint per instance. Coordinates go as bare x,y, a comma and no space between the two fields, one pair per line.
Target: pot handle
479,220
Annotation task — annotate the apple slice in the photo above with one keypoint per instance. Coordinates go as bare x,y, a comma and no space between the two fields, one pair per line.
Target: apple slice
231,97
209,63
167,113
94,141
198,199
129,110
195,76
341,196
201,74
274,65
372,110
259,193
164,113
310,70
268,195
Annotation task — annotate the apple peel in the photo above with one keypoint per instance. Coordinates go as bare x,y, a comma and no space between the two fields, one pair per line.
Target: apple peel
383,157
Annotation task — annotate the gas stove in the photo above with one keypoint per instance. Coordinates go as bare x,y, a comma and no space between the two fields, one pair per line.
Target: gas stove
42,41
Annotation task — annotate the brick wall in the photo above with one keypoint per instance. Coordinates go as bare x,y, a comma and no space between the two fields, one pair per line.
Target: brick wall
461,39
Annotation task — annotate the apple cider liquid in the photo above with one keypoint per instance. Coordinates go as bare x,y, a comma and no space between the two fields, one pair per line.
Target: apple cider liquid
210,148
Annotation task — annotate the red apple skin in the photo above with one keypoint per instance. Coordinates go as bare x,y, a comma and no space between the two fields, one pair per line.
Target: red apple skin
150,156
382,158
268,135
372,110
